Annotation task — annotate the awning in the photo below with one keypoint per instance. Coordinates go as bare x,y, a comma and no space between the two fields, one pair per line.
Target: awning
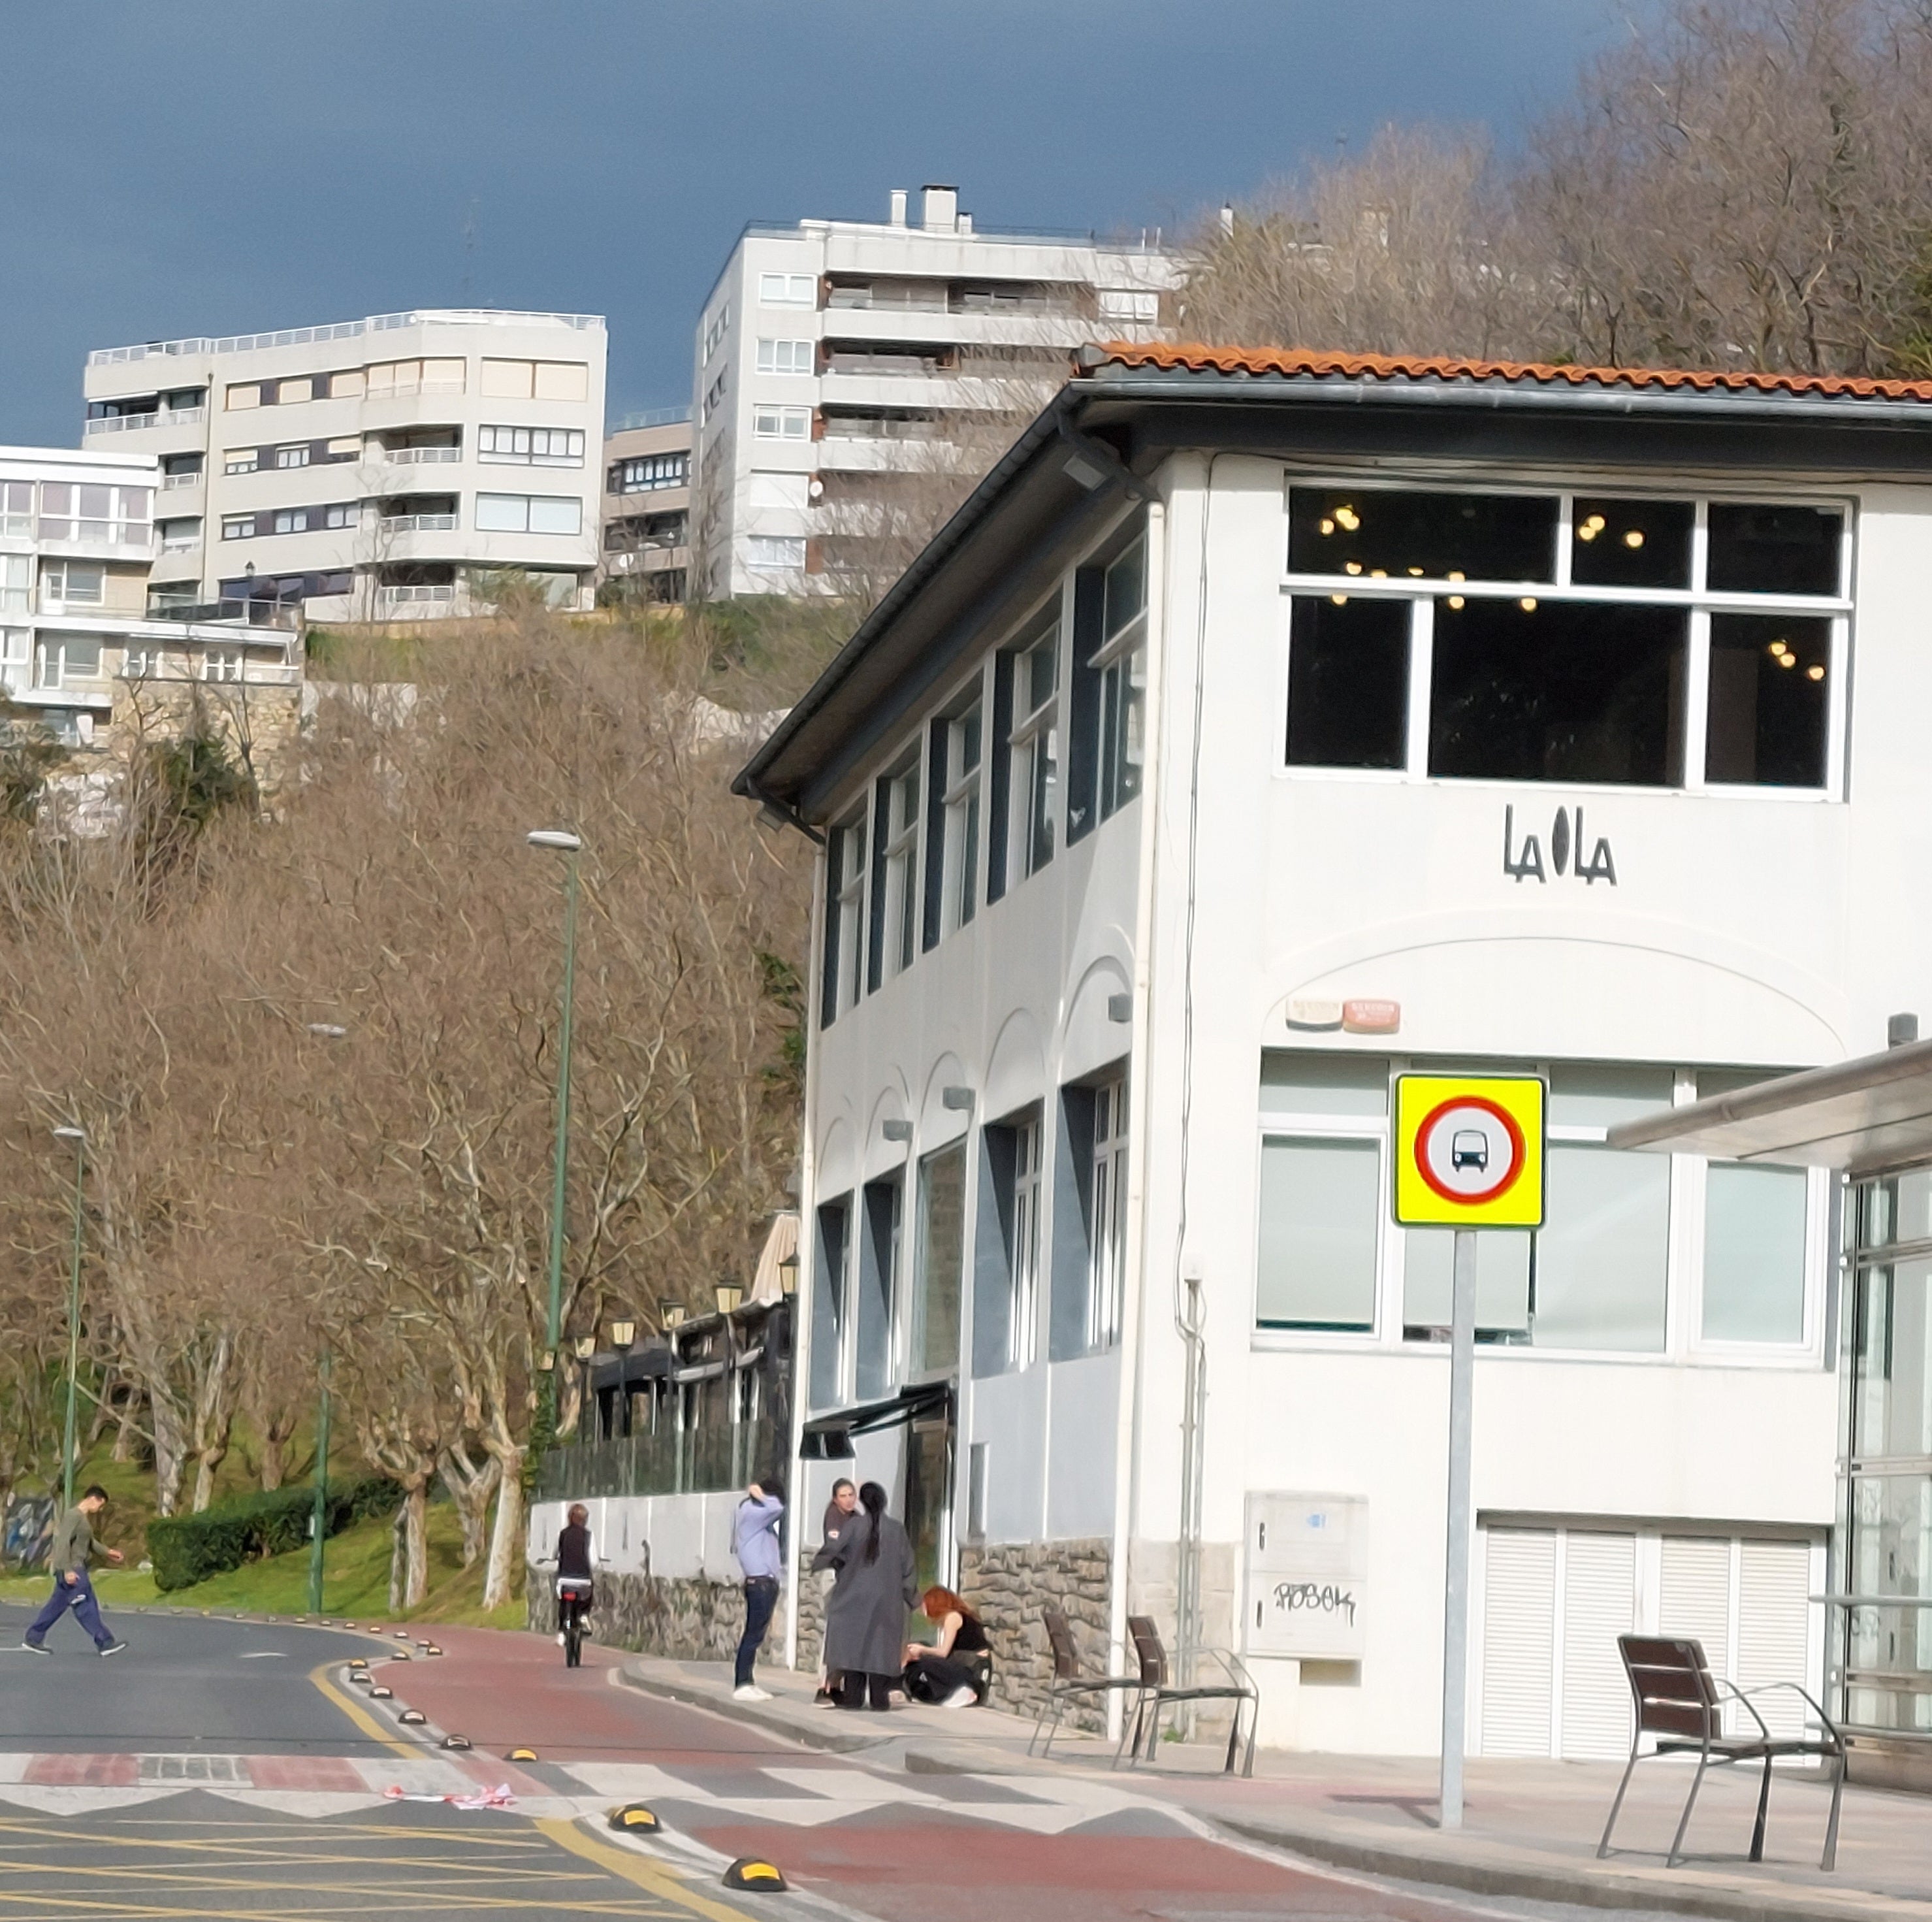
1861,1116
871,1418
613,1369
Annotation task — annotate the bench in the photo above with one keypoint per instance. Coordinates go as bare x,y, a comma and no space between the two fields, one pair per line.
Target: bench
1070,1681
1681,1704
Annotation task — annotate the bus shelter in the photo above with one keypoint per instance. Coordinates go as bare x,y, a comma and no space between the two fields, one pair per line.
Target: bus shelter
1871,1120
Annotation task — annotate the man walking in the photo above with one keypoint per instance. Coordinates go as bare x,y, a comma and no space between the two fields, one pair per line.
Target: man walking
754,1541
73,1550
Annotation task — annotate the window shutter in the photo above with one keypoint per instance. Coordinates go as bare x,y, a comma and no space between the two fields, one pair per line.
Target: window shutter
1774,1615
1599,1604
999,777
1519,1641
935,833
502,379
1083,729
562,380
1695,1596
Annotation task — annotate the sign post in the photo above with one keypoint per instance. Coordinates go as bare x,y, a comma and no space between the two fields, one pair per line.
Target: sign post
1469,1154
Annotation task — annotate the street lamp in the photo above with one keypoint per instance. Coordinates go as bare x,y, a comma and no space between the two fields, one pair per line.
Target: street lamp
560,840
78,1136
323,1030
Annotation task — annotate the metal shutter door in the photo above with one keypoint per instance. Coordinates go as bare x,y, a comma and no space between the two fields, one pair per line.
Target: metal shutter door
1774,1615
1599,1604
1695,1597
1519,1641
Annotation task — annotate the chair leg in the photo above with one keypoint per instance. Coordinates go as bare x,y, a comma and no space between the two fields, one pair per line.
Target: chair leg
1604,1847
1130,1732
1763,1810
1254,1729
1676,1855
1830,1858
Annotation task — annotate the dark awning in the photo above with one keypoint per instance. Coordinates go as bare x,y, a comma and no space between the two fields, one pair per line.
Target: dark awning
870,1417
613,1369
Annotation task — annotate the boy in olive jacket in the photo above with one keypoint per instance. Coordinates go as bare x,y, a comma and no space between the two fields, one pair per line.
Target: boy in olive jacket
73,1548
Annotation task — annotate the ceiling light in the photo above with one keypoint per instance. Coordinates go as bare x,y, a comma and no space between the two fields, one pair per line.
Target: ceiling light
1456,574
1340,600
1328,527
1594,525
1787,660
1815,672
1348,517
1588,531
1352,567
1634,538
1417,572
1377,573
1455,600
1528,604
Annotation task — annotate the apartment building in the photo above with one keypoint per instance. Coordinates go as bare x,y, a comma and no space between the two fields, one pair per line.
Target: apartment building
1272,724
376,469
78,641
850,372
647,506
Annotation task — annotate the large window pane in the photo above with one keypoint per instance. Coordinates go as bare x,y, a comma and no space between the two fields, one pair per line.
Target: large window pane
878,1286
1770,700
1320,1214
1898,1208
1347,682
828,1299
1762,549
1631,543
1891,1398
1531,690
1323,1084
1396,535
1502,1283
1587,1096
942,1254
1754,1254
1601,1254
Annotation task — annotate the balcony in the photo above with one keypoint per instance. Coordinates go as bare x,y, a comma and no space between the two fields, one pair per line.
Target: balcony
422,456
416,523
284,616
164,417
170,482
432,594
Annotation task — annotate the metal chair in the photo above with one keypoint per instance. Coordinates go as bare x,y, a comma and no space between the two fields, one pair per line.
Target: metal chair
1679,1702
1069,1681
1157,1692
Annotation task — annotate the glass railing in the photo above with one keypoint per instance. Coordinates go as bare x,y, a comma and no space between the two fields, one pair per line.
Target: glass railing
707,1461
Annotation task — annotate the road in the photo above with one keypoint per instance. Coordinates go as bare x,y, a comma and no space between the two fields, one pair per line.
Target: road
228,1768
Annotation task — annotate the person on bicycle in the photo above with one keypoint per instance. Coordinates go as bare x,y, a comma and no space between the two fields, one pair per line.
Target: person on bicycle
576,1556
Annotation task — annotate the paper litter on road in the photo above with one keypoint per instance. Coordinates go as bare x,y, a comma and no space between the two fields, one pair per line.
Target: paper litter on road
499,1797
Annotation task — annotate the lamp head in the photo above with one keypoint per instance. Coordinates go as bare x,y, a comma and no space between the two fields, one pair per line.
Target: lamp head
560,839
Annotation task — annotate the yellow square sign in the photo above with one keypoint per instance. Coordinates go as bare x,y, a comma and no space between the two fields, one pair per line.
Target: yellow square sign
1469,1151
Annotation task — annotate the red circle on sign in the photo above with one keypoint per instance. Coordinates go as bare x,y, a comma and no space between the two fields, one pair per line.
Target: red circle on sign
1519,1152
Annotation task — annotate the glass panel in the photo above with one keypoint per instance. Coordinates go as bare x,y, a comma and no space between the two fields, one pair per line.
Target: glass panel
942,1251
1898,1209
1631,543
1527,690
1125,591
1891,1361
1321,1209
1600,1259
1502,1284
1324,1084
1770,700
1347,682
1763,549
1439,536
828,1300
878,1290
1602,1097
1891,1554
1754,1254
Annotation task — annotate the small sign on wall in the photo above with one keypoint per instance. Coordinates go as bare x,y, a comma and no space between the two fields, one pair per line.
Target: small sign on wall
1307,1558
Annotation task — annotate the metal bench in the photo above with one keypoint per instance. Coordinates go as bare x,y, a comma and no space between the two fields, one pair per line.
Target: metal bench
1680,1703
1156,1693
1069,1681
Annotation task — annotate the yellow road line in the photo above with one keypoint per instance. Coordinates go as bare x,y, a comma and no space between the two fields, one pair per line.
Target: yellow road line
646,1874
360,1716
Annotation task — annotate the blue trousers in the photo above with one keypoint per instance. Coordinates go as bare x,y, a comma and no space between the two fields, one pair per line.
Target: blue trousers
761,1595
80,1599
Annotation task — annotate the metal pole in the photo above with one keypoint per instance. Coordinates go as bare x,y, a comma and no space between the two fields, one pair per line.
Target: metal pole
1456,1580
67,1463
320,1523
554,1332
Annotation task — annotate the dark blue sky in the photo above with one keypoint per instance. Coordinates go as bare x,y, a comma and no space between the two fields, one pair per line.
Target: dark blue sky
209,167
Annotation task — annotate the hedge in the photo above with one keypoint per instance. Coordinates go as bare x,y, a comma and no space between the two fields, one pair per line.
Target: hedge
188,1548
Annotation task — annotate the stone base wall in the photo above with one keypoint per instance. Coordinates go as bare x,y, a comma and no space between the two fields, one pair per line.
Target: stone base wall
687,1620
1009,1583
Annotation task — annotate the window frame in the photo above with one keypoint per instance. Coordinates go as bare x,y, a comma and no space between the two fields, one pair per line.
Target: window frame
791,290
1026,1239
898,828
845,902
962,847
1027,731
1107,1216
489,455
773,349
785,418
1699,603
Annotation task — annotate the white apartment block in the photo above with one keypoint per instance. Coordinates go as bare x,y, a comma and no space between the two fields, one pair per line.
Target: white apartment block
839,361
647,506
370,469
76,542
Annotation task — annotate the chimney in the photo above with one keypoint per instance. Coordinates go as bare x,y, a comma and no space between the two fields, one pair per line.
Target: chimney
897,216
965,222
941,213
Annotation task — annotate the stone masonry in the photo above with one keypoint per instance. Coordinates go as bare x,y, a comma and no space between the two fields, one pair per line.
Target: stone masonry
685,1619
1010,1583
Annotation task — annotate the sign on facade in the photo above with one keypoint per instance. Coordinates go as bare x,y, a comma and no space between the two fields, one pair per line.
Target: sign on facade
1469,1151
1307,1559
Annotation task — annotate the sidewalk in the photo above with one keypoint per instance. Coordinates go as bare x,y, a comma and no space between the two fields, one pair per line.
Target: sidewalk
1531,1826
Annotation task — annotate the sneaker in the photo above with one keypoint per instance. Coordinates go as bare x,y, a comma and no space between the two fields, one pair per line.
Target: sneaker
560,1637
112,1648
36,1647
962,1697
750,1692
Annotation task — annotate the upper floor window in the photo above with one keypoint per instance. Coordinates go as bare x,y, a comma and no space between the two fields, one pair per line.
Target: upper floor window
1107,1198
71,584
787,356
780,553
715,328
956,780
530,513
296,456
535,380
647,473
17,582
1032,747
788,290
1545,638
1121,662
16,508
531,446
895,874
782,423
83,512
843,967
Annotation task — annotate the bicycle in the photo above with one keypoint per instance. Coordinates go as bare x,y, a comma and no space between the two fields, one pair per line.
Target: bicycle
575,1595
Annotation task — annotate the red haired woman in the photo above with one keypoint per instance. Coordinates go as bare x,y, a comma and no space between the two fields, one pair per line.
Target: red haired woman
954,1671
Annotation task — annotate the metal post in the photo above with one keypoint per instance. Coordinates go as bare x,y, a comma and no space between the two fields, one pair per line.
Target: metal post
68,1462
1456,1580
554,1332
320,1523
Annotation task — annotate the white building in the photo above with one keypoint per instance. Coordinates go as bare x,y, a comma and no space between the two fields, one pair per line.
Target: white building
371,470
1266,725
76,542
647,505
839,361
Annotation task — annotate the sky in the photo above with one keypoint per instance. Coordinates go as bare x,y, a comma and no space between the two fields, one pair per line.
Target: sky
214,167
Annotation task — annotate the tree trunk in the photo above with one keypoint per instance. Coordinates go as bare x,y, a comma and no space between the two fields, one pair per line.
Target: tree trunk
416,1535
213,1452
503,1582
397,1551
128,1434
470,1486
170,1455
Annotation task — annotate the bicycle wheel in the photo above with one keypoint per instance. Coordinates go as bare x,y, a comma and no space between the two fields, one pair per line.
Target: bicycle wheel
573,1639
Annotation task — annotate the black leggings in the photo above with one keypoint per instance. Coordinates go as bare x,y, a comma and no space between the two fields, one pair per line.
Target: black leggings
934,1678
853,1687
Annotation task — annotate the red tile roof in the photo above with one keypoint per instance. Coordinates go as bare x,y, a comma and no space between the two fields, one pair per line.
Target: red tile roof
1195,358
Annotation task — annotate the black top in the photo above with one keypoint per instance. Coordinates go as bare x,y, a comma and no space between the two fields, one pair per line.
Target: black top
971,1638
573,1551
835,1518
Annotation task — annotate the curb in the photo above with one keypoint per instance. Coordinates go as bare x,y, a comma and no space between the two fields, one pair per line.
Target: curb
1478,1872
808,1726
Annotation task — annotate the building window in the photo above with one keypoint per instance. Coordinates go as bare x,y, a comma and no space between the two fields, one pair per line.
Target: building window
291,393
61,659
238,527
531,446
243,393
876,1320
895,915
843,966
109,515
71,584
241,459
16,508
782,423
291,520
222,664
714,395
1321,1211
179,536
292,457
829,1318
1754,1254
16,659
959,853
1009,1248
1574,638
17,582
530,513
1121,663
647,473
787,356
775,551
1107,1216
942,1261
788,290
1032,749
1129,304
715,328
142,663
341,514
1023,1312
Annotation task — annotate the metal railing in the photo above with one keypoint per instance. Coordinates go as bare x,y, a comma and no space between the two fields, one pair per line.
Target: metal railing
161,417
650,417
170,481
401,596
282,616
707,1460
340,330
420,456
417,523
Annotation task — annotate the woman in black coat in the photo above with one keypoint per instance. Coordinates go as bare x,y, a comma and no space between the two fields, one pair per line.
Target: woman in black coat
865,1616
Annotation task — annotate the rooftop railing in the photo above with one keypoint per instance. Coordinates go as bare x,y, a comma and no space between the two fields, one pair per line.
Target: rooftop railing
161,417
340,330
650,417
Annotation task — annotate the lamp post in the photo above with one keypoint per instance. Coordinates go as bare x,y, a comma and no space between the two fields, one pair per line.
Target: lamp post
323,1030
562,841
78,1136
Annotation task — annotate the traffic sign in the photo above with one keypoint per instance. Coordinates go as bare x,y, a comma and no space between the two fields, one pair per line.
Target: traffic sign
1469,1151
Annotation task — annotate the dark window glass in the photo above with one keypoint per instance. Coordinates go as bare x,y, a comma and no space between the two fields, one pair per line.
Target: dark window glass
1540,691
1770,698
1347,682
1399,536
1767,550
1631,543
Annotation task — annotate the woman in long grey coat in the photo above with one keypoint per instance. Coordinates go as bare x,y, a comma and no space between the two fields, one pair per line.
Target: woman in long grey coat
865,1616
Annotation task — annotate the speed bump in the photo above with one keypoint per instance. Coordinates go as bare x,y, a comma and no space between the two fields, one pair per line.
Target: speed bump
753,1873
456,1742
432,1650
379,1693
521,1754
358,1661
413,1715
636,1817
